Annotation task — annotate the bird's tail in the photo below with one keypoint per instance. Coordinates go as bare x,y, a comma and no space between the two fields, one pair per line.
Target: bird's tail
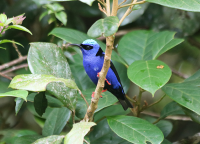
125,103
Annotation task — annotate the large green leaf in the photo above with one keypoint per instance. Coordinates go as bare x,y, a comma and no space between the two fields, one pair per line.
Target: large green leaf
54,139
135,130
16,93
185,94
171,108
81,107
146,45
62,16
102,134
105,27
38,82
56,121
150,75
47,58
27,139
193,5
79,130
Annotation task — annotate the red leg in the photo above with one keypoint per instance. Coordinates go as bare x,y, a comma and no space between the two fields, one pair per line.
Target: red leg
100,95
108,82
104,90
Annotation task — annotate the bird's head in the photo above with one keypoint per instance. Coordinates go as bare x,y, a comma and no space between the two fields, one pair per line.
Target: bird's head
88,47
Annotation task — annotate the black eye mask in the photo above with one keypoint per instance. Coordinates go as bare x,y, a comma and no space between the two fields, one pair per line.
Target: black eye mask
87,47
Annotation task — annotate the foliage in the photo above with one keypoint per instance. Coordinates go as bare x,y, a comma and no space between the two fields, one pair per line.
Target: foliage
57,91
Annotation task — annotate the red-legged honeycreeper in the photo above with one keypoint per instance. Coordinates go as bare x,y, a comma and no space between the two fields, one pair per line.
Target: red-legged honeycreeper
93,59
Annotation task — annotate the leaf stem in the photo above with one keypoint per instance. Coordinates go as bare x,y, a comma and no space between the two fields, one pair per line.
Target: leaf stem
157,121
131,100
83,97
131,4
139,101
86,141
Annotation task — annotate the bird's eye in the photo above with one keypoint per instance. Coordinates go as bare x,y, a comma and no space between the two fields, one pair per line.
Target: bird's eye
86,47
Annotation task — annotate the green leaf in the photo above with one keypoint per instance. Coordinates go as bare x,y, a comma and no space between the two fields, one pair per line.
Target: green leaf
110,111
185,94
19,103
40,103
81,107
43,15
89,2
19,27
102,134
38,82
16,93
56,121
52,58
61,16
171,108
135,130
54,139
3,18
9,41
2,48
79,130
194,116
54,102
186,5
146,45
105,27
27,139
150,75
55,7
165,141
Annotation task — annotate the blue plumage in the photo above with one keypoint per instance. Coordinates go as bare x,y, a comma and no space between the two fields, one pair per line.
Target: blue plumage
93,59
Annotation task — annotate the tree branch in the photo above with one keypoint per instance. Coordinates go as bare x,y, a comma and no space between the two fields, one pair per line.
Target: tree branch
140,2
102,75
14,62
14,68
83,98
179,74
189,140
3,75
139,101
127,12
17,50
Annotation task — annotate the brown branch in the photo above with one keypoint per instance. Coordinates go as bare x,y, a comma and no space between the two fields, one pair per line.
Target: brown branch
140,2
14,62
14,68
127,12
3,75
83,98
102,9
179,74
108,7
122,2
189,140
17,50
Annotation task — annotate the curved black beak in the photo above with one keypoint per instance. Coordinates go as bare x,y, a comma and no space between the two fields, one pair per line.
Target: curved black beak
78,45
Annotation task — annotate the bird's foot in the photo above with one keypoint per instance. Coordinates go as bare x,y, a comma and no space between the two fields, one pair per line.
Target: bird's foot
105,79
94,93
108,82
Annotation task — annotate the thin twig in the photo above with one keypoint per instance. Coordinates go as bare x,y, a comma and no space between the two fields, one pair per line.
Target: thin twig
122,2
73,117
139,101
83,98
127,12
14,62
146,107
3,75
131,100
14,68
101,9
126,5
179,74
86,141
103,3
195,139
17,50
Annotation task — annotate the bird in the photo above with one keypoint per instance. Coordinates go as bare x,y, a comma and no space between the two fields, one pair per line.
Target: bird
93,59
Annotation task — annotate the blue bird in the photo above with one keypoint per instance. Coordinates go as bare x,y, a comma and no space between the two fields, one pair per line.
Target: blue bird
93,59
